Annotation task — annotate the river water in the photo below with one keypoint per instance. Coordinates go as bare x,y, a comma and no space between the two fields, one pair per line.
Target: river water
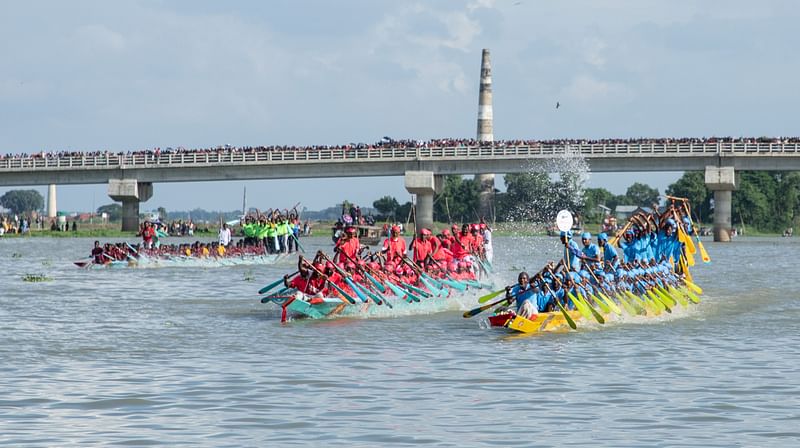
189,356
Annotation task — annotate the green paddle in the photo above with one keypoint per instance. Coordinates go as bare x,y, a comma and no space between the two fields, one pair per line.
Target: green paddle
275,283
480,309
491,295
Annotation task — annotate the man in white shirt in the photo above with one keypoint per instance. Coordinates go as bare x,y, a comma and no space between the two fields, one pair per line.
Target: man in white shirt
224,235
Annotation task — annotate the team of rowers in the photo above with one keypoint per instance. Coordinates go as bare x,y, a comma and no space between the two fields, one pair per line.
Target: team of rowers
456,256
650,254
274,231
110,252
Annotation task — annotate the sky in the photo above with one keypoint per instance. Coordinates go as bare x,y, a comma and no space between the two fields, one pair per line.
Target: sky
97,75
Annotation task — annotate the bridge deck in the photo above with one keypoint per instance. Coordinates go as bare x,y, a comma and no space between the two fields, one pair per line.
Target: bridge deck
235,164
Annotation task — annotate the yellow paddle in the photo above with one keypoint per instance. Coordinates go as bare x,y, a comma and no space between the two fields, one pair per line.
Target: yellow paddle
693,286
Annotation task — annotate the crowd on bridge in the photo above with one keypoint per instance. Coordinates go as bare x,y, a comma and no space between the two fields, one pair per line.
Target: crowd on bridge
389,143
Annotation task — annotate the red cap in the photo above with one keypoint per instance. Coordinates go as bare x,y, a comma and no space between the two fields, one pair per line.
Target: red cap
396,228
350,229
425,232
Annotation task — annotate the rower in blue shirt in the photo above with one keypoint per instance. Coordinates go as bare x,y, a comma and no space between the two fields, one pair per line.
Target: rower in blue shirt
524,295
572,252
590,251
609,253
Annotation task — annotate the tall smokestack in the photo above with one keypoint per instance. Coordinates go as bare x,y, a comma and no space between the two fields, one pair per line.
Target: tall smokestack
485,134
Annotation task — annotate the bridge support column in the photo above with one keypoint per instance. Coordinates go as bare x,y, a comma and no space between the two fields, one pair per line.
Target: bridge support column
52,209
130,192
722,181
423,184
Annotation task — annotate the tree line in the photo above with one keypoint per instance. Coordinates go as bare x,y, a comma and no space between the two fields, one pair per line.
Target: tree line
768,201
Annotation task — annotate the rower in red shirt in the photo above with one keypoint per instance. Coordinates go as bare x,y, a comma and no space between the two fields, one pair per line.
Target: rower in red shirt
422,246
394,246
349,245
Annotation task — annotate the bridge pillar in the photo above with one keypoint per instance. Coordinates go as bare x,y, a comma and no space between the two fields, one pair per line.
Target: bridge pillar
130,192
423,184
722,181
52,209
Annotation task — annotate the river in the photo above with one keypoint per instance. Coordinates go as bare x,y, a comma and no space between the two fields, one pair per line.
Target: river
190,357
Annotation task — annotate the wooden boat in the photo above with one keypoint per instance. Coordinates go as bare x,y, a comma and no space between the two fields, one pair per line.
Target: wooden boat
369,235
644,305
552,321
183,261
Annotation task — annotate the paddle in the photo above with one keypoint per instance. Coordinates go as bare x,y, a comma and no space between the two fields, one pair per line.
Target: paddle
430,283
276,283
400,292
366,270
480,309
599,317
453,283
491,295
348,279
345,295
693,286
703,254
297,241
567,317
602,298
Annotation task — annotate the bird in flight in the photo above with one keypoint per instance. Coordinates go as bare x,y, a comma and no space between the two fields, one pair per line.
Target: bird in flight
558,104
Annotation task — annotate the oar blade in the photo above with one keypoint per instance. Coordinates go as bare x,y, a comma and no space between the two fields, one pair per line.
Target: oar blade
490,296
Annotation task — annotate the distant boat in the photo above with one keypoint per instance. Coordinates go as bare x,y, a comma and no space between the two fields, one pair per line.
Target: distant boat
369,235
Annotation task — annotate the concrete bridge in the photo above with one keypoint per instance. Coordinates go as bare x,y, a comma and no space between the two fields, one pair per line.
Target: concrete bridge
130,177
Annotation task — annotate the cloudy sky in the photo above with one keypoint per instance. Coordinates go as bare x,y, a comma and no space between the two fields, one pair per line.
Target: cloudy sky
95,75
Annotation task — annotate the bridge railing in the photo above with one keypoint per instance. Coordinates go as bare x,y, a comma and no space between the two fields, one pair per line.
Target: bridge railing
235,156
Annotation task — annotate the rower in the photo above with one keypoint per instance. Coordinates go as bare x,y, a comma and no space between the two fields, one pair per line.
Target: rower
349,246
524,295
590,251
609,253
572,252
97,253
421,246
394,247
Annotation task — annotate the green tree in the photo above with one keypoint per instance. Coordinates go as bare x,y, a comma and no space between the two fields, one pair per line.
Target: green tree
788,206
386,206
527,197
692,186
113,211
21,201
642,195
752,200
592,197
403,212
459,196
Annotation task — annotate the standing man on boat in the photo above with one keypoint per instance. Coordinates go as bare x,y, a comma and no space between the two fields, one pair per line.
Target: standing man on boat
224,235
348,247
609,253
486,233
572,252
421,246
97,254
394,247
590,251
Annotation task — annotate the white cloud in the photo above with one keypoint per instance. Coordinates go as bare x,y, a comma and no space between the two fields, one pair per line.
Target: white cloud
100,37
587,89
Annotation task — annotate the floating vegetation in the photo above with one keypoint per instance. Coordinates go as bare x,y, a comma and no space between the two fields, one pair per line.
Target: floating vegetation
46,263
249,277
36,278
16,255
